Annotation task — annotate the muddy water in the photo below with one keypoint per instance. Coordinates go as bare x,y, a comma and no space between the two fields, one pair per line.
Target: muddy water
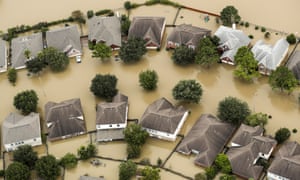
217,82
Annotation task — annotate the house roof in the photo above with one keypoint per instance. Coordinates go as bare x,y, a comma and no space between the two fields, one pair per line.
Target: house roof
269,56
114,112
91,178
64,38
105,29
148,28
294,64
162,116
245,133
232,39
287,161
33,43
187,34
16,127
208,137
2,54
64,118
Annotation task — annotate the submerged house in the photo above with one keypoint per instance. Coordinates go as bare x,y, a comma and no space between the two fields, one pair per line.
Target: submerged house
3,56
286,164
230,41
66,39
294,64
32,43
206,139
111,118
151,29
268,57
187,35
19,130
162,120
64,119
105,30
249,147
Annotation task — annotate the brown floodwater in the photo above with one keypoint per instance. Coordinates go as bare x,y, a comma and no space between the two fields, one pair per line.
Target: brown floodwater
217,82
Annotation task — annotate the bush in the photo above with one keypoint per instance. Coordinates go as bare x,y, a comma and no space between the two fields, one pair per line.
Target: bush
104,86
251,36
242,23
85,153
127,170
223,163
256,28
227,177
211,172
257,119
90,14
68,161
282,135
26,101
12,76
159,162
200,176
187,90
294,130
148,79
291,39
267,35
2,173
133,151
25,155
102,12
263,29
247,24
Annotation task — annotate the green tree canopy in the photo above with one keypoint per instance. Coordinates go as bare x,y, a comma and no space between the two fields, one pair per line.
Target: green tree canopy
233,110
127,170
283,78
257,119
17,171
102,51
200,176
187,90
125,24
183,55
104,86
135,135
56,60
150,173
229,15
85,153
211,172
25,155
68,161
223,163
282,135
12,76
148,79
35,65
207,53
228,177
291,39
26,101
47,167
132,50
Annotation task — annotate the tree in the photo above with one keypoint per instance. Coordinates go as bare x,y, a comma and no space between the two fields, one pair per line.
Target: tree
207,53
35,65
127,5
132,50
233,110
135,135
211,172
150,173
57,61
257,119
291,39
27,53
102,51
104,86
229,15
78,16
68,161
25,155
183,55
246,64
148,79
227,177
125,24
47,167
90,14
200,176
85,153
187,90
12,76
133,151
26,101
223,163
127,170
282,135
283,79
17,171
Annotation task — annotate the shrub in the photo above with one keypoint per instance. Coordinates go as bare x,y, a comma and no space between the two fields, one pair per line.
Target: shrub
187,90
256,119
12,76
282,135
291,39
242,23
127,170
133,151
256,28
90,14
267,35
159,162
294,130
251,36
102,12
247,24
263,29
148,79
223,163
68,161
200,176
211,172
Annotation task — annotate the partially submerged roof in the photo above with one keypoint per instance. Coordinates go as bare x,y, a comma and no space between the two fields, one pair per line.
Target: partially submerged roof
105,29
91,178
64,119
3,56
33,43
150,29
244,134
294,64
207,137
162,116
16,127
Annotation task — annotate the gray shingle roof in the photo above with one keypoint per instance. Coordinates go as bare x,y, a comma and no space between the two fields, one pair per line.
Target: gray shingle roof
105,29
64,119
287,161
33,43
161,115
245,133
150,29
294,64
208,137
91,178
66,39
16,128
3,55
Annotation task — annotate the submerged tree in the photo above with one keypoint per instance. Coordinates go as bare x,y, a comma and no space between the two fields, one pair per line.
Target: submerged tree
102,51
127,170
148,79
12,76
35,65
26,101
229,15
25,155
282,135
132,50
183,55
187,90
17,171
47,167
283,78
257,119
207,53
68,161
104,86
150,173
57,61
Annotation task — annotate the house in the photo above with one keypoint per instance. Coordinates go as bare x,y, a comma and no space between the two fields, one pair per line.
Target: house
230,41
66,39
105,30
206,139
286,164
186,34
248,147
90,178
111,118
64,119
268,57
32,43
294,64
3,56
151,29
19,130
162,120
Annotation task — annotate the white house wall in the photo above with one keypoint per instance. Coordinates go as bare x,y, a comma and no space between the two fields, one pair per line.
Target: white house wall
271,176
32,142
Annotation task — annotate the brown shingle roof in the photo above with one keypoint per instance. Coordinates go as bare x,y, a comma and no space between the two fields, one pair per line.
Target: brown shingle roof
245,133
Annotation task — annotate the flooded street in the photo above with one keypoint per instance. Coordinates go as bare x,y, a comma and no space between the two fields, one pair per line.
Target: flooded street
217,82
